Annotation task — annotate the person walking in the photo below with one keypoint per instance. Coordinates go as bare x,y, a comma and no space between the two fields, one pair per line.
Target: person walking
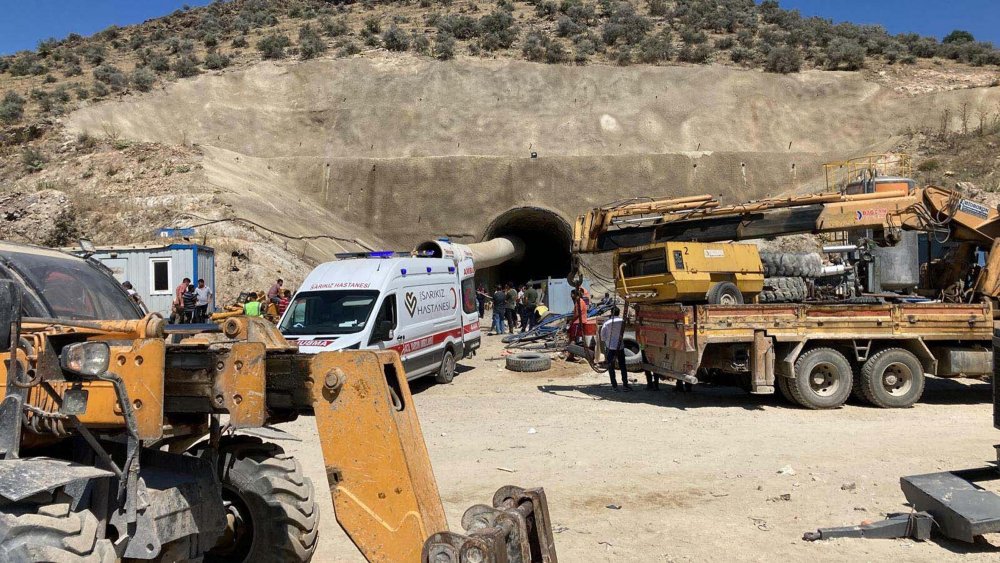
511,308
204,294
612,332
499,309
530,303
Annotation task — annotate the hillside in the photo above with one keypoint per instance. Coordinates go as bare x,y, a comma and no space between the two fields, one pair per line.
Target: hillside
301,160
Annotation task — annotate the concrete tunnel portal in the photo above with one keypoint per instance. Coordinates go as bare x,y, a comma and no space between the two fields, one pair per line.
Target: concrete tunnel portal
547,239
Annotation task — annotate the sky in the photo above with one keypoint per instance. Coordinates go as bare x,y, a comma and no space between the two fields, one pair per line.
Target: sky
23,23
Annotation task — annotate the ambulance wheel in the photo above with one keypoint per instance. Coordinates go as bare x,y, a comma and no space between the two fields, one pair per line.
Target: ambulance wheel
724,293
446,373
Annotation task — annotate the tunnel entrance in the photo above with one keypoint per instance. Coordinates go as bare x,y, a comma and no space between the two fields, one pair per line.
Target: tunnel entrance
547,238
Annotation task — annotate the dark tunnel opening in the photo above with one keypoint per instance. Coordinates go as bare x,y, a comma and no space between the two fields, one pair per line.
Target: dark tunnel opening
547,238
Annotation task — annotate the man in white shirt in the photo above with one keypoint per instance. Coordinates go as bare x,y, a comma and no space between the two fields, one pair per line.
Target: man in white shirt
204,295
612,333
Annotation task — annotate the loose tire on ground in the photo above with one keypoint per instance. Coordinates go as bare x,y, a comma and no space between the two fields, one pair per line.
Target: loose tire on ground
446,373
528,362
791,264
892,378
52,532
823,379
724,293
278,519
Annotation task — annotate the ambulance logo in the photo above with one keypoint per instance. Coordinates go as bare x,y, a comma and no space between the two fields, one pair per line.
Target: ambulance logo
411,303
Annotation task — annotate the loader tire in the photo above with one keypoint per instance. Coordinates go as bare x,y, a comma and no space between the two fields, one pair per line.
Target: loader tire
783,290
823,379
271,504
52,532
528,362
892,379
791,264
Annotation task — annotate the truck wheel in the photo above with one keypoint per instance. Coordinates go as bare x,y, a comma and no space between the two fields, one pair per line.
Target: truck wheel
724,293
446,373
271,507
892,378
52,532
528,361
823,379
783,387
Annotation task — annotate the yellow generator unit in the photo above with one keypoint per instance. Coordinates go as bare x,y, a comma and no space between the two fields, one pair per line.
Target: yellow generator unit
689,272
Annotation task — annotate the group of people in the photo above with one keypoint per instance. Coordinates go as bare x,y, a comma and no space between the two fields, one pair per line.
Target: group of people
513,307
271,304
191,302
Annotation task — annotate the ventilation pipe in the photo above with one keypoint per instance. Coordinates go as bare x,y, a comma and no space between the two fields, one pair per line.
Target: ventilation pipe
484,254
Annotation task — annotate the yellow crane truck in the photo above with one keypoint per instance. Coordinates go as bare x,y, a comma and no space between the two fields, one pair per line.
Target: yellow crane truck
877,345
126,439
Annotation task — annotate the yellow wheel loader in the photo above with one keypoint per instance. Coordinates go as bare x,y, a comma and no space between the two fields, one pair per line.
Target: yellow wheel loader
124,438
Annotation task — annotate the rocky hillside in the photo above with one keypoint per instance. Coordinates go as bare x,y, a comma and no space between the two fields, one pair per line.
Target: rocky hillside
375,141
738,33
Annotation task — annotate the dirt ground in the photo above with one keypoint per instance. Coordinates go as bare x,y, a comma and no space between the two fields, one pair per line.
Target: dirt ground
697,475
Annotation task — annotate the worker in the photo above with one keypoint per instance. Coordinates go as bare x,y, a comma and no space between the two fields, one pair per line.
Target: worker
177,305
190,304
530,304
204,294
511,309
275,290
612,332
499,309
252,307
286,298
481,298
579,317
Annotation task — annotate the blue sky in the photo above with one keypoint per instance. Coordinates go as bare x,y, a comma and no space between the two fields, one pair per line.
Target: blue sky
23,23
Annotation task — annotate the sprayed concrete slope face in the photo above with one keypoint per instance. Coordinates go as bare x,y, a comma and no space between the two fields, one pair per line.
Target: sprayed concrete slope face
410,148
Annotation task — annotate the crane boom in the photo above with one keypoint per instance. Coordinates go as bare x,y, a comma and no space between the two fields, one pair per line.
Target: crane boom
703,218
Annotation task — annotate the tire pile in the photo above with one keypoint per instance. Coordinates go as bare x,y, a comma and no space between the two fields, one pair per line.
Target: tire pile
785,275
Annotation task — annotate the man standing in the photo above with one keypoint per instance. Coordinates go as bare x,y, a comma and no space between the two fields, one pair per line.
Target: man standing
611,334
530,302
177,308
511,308
481,297
252,306
499,309
190,301
275,290
204,294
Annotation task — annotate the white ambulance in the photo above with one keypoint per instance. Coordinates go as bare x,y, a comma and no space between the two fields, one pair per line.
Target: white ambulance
424,308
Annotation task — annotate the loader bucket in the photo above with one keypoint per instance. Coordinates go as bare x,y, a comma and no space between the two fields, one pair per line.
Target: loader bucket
380,477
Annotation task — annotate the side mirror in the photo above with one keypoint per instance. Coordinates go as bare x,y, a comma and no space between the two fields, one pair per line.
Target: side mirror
383,331
10,311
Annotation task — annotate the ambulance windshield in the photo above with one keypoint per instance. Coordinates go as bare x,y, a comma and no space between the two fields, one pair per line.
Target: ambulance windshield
328,312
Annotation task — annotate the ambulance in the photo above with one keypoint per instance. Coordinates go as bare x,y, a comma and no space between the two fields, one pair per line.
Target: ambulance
424,308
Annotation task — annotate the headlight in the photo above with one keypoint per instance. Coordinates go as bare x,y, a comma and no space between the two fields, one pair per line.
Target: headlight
85,358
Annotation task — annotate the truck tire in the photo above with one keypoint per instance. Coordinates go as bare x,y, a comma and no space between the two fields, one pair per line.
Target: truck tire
724,293
892,379
783,290
823,379
446,373
783,387
52,532
528,362
633,353
271,504
791,264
